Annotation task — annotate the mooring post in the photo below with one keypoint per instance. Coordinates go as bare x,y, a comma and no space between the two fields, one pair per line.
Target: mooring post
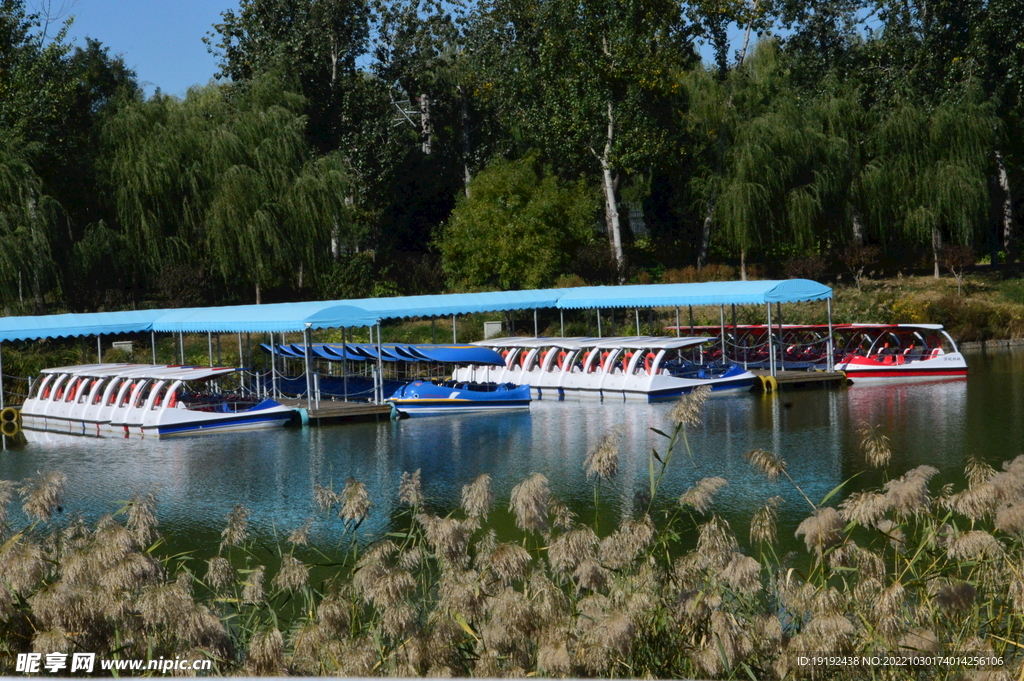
455,334
536,328
181,344
771,346
380,363
561,321
637,310
677,322
721,319
344,364
209,346
99,349
152,344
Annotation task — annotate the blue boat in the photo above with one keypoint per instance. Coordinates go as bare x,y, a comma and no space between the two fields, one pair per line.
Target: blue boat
423,398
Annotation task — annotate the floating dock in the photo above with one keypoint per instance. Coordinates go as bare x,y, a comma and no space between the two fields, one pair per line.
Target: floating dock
784,380
338,411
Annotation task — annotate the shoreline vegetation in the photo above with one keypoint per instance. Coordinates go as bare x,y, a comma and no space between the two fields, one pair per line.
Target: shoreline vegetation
670,591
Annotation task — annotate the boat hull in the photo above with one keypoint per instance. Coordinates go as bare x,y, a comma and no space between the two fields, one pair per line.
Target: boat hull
944,367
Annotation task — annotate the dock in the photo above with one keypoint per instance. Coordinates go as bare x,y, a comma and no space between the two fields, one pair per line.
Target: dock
785,380
338,411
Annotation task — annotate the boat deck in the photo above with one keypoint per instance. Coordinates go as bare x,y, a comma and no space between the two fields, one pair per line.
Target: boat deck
338,411
785,380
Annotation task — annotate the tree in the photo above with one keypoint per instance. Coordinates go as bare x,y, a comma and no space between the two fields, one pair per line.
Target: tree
518,228
589,83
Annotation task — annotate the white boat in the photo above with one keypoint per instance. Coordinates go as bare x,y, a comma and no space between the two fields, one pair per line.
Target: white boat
630,368
886,353
126,400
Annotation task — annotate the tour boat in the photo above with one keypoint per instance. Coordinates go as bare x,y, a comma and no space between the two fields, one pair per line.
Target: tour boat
883,353
647,368
424,398
126,400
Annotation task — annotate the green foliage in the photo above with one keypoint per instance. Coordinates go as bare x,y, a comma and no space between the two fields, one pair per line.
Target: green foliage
519,228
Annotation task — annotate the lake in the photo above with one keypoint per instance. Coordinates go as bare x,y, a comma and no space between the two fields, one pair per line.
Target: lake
198,480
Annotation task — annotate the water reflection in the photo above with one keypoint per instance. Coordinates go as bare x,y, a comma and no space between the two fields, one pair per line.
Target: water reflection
198,480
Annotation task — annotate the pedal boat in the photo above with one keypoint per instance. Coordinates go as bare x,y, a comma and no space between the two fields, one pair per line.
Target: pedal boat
425,398
648,368
140,400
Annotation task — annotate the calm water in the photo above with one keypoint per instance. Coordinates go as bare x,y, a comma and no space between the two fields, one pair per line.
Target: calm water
198,480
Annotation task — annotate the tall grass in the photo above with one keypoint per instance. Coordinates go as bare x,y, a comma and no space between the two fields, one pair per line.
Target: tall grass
669,591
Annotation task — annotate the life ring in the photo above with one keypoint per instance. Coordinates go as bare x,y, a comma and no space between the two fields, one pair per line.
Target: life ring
604,358
504,356
522,358
561,359
10,428
10,415
173,401
649,361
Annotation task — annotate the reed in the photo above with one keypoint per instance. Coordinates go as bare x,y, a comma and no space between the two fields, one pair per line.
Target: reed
669,591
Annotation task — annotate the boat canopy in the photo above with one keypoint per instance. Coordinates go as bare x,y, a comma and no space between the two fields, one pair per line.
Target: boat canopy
291,317
707,293
655,342
156,371
393,352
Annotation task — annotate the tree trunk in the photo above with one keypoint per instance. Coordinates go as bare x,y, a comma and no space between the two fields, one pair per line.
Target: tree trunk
466,149
37,275
259,297
611,208
426,126
858,226
1009,235
936,245
705,236
743,264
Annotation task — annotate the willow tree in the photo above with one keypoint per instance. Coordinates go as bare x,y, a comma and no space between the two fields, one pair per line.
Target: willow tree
27,216
227,178
931,178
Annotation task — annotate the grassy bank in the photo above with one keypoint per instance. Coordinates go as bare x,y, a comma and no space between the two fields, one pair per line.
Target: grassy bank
904,569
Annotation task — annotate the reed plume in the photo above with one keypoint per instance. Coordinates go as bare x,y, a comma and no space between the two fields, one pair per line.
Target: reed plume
325,498
477,497
43,494
266,653
410,489
7,491
699,496
762,524
252,589
822,530
508,562
908,495
219,573
529,503
142,517
689,410
602,461
300,535
237,528
355,502
571,548
292,576
875,445
770,465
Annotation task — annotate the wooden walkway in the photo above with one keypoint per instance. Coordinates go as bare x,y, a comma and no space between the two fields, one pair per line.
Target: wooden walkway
331,411
784,380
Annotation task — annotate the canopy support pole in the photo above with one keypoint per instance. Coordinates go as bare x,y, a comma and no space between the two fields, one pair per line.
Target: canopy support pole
455,334
637,310
677,322
306,338
344,363
782,349
536,328
380,364
181,343
248,352
721,319
561,321
152,344
598,322
831,364
241,360
273,366
771,346
99,348
209,346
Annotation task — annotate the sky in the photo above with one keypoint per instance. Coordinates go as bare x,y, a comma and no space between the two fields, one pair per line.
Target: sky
161,40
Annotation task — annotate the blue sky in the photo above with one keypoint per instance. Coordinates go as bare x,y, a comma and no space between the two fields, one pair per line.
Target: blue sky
162,40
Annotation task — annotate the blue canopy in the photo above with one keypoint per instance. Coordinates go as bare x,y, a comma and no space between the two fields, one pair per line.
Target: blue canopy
82,324
706,293
277,317
444,305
